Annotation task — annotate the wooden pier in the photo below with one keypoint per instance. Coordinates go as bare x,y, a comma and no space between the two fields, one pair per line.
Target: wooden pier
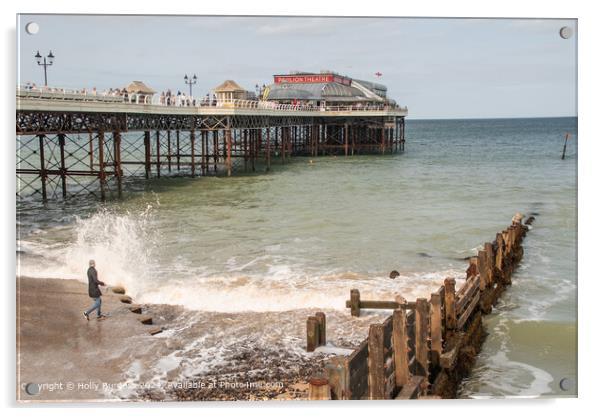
68,146
426,347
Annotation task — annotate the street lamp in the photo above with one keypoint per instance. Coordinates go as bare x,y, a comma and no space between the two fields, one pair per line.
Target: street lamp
45,63
190,82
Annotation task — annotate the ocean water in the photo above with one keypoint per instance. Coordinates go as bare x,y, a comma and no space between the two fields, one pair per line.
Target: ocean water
305,234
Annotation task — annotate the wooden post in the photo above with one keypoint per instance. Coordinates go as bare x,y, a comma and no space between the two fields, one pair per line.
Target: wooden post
436,334
472,268
490,263
376,362
337,369
312,333
499,257
482,268
319,389
421,325
400,348
451,320
321,317
566,139
355,302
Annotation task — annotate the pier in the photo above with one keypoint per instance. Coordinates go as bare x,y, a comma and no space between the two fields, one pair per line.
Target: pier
69,143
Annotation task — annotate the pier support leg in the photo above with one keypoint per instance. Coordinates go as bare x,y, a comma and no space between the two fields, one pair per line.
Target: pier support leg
215,151
267,150
63,171
192,156
117,162
229,151
147,154
169,151
158,161
178,149
346,132
43,175
101,165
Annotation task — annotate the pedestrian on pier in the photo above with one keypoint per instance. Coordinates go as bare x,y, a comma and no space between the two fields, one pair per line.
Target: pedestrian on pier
94,292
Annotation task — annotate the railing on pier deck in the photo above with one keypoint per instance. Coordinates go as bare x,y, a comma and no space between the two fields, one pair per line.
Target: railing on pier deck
72,95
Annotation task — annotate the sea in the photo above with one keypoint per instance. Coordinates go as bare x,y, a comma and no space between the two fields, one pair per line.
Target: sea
301,236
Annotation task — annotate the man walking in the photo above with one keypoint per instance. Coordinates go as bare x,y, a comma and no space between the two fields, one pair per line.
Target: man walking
94,291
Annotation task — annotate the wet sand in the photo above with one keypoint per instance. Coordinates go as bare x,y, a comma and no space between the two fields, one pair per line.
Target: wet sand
57,346
199,355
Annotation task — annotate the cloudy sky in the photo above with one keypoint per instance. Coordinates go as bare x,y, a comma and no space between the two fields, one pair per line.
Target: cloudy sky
439,68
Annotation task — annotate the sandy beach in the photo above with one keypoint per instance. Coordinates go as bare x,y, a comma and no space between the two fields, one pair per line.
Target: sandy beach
70,358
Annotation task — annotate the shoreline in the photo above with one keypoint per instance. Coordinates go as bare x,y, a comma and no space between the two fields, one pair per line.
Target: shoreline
198,356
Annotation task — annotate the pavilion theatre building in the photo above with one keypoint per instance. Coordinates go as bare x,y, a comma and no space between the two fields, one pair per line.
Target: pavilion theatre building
325,89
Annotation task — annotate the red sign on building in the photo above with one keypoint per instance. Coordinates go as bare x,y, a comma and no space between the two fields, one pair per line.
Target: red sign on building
311,78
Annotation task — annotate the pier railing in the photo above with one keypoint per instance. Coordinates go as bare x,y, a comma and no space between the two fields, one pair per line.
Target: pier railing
67,94
425,347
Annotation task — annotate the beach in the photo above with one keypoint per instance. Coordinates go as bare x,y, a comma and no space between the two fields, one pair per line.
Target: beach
118,359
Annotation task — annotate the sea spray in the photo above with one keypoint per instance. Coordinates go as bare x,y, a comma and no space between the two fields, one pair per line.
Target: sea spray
122,244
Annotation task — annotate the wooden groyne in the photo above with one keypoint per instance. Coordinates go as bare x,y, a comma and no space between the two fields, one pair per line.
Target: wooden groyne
427,346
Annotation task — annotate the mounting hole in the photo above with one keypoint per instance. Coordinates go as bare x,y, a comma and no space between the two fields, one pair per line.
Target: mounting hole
32,28
566,32
566,384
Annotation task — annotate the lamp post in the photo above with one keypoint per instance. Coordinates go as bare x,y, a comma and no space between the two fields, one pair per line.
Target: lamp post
45,63
190,82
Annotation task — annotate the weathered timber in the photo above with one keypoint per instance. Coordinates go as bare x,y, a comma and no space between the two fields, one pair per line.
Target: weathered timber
400,348
422,317
354,303
450,305
449,357
319,389
436,330
376,371
411,390
466,293
468,312
313,328
321,317
379,304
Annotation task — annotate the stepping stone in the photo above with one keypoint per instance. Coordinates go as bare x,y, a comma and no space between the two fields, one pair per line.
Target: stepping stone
146,319
120,290
155,331
125,299
135,309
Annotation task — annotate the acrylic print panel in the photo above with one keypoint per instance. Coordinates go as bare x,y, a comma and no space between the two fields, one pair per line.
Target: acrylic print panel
294,208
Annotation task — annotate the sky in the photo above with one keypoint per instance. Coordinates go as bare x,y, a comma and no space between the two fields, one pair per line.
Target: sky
438,68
